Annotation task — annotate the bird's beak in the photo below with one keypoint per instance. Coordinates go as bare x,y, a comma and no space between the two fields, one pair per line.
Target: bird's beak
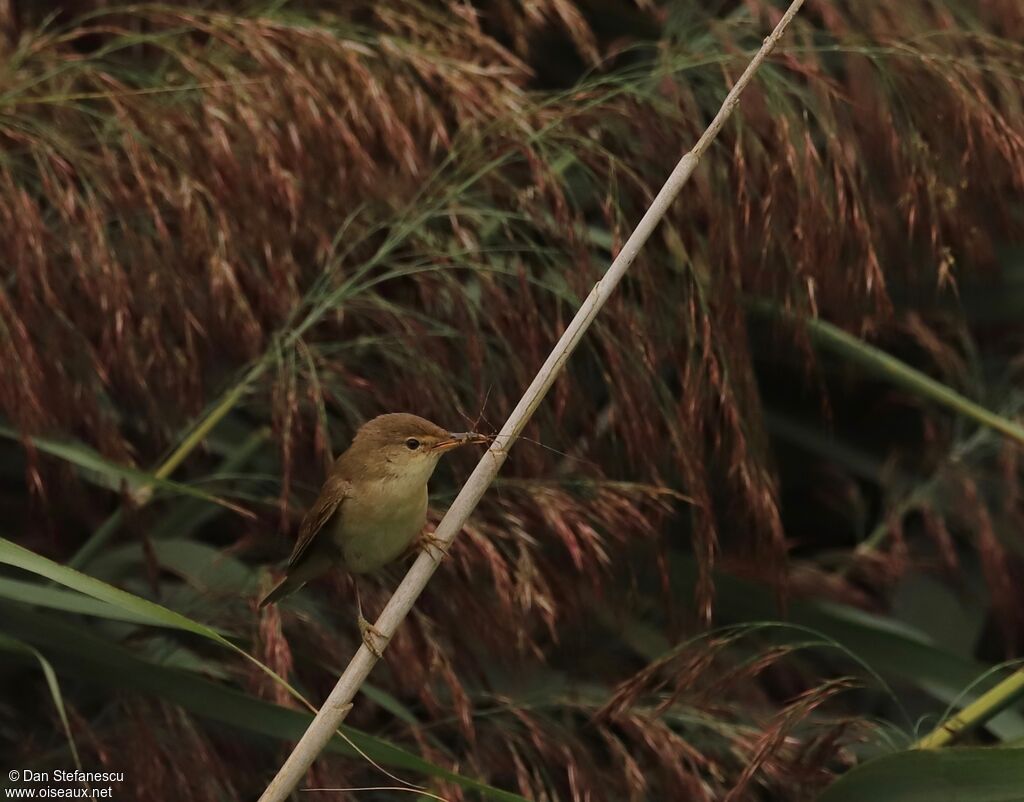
456,439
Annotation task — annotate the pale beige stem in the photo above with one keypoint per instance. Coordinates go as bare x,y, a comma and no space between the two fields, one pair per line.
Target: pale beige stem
339,702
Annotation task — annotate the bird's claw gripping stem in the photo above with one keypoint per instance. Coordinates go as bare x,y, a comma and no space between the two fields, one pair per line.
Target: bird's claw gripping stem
369,632
428,541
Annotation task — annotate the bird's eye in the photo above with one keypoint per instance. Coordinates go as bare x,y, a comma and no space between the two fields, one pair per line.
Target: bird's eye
412,443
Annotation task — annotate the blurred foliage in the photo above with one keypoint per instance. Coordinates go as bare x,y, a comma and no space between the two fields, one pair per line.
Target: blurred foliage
765,529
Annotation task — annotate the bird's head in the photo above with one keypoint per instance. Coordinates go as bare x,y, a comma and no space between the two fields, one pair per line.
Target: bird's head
400,444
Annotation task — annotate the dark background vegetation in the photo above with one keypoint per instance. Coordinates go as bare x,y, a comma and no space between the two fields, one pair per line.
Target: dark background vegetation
730,562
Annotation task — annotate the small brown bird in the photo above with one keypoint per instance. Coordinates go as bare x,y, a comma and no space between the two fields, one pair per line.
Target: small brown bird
374,502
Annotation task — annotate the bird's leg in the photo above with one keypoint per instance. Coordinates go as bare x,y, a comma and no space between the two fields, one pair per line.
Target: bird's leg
367,630
428,540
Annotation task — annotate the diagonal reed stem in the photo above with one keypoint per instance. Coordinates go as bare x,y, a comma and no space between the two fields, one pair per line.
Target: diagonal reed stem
890,369
339,702
985,707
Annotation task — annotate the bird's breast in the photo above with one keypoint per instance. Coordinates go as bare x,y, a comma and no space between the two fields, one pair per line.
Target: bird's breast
378,523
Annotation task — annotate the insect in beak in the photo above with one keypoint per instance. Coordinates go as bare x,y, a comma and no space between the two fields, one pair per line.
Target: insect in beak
456,439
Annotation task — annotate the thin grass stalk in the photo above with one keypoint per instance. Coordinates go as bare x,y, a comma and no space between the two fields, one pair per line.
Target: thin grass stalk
339,702
143,493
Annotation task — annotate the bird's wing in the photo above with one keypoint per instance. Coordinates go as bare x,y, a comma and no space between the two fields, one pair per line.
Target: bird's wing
327,505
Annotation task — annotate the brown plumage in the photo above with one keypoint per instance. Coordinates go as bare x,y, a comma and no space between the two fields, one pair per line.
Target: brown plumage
374,501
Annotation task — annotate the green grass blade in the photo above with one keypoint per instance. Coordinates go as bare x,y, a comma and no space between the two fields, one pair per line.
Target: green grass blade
143,610
949,775
67,601
108,474
96,660
203,567
15,646
183,519
892,649
893,370
190,514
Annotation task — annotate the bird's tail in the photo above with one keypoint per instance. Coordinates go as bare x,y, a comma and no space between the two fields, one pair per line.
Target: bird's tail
285,587
312,565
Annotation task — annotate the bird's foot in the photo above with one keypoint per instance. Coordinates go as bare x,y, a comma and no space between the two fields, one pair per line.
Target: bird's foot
428,541
369,633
